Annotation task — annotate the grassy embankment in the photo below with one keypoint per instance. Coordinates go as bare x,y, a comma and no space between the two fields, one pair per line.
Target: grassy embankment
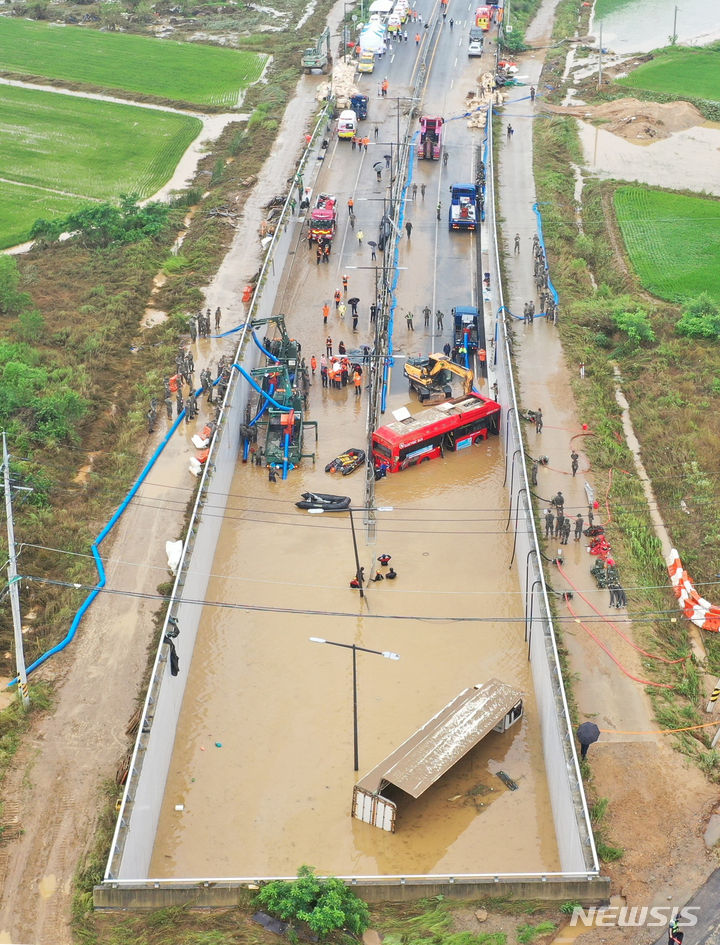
427,922
183,73
669,384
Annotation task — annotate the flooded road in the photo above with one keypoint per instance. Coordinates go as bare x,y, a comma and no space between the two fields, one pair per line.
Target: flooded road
263,759
643,25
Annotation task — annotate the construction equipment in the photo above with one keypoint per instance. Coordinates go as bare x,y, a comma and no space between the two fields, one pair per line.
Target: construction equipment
284,428
284,348
318,56
430,377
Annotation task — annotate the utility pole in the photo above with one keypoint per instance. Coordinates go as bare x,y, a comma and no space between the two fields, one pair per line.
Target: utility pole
673,41
600,59
13,581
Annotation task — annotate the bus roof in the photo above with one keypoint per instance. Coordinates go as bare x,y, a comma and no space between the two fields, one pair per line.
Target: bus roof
440,412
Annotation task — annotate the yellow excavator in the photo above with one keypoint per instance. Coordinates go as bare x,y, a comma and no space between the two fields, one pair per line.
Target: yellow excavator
430,377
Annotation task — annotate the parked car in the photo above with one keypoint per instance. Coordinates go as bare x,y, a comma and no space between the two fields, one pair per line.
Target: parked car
475,48
476,33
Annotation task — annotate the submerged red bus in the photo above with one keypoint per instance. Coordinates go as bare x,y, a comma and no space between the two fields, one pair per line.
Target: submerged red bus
451,425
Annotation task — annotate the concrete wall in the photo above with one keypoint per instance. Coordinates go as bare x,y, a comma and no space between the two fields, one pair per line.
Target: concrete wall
572,823
226,895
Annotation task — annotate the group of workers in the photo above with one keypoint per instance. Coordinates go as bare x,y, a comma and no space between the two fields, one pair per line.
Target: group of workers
389,575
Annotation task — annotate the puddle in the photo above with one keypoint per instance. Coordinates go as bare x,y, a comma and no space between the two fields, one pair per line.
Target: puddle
153,317
695,150
648,24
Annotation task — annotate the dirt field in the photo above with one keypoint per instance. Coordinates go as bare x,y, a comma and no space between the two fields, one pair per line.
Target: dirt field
635,120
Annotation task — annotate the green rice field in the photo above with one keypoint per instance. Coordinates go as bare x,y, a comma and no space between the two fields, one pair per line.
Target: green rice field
183,72
83,148
673,241
680,71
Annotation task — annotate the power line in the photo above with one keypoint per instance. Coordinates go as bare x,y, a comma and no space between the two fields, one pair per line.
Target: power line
263,608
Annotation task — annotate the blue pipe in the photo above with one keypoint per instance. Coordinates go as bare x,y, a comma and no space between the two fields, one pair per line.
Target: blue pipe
262,410
98,560
264,350
286,450
251,382
553,292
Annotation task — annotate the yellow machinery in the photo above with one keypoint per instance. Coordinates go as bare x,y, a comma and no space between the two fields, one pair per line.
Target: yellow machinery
430,377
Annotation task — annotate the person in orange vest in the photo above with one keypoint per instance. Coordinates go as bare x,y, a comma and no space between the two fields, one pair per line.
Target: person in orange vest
351,207
482,358
326,312
384,87
357,381
345,284
328,346
313,365
337,298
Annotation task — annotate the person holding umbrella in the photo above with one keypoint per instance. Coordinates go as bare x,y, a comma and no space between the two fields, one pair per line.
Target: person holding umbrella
378,168
373,246
587,734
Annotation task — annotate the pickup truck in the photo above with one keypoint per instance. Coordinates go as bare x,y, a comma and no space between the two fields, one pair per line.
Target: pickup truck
359,104
463,214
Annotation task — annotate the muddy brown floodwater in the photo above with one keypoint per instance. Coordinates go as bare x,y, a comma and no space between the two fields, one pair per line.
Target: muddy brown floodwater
278,792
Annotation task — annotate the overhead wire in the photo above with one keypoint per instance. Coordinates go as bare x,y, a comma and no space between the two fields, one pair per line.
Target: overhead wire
146,595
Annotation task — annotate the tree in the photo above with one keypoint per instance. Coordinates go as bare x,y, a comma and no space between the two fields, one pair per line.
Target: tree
101,224
326,905
700,318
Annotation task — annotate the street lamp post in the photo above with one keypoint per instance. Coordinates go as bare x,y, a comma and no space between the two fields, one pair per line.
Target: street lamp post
388,654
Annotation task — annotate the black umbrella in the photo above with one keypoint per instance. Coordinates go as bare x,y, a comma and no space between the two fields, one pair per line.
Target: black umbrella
588,733
372,243
354,301
378,165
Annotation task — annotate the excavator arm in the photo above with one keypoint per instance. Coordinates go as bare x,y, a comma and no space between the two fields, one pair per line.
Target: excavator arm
437,363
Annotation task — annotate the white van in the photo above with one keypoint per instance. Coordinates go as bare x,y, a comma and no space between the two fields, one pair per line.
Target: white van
347,124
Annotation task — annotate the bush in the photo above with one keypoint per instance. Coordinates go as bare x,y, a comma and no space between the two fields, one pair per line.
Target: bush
636,326
700,318
326,905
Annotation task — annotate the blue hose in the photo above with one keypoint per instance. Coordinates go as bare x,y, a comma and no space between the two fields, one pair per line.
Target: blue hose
264,350
286,449
251,382
96,555
553,292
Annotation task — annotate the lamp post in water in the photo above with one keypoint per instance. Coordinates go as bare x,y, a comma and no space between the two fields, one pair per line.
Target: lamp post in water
388,654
